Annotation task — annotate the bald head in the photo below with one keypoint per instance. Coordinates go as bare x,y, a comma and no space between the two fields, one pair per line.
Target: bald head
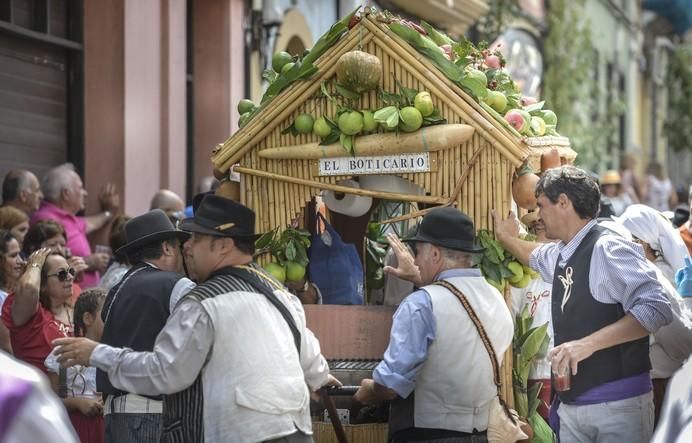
21,189
168,201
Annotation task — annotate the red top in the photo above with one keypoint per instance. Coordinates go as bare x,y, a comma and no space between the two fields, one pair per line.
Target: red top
31,342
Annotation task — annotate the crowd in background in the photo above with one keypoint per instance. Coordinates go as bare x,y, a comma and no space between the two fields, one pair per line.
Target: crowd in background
54,282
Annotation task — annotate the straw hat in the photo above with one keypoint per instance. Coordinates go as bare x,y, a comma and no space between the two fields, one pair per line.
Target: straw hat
610,177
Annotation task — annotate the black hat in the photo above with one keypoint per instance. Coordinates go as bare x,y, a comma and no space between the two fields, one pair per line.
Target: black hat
149,228
221,217
447,227
197,200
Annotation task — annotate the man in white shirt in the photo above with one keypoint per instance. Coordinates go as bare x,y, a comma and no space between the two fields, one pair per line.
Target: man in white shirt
235,358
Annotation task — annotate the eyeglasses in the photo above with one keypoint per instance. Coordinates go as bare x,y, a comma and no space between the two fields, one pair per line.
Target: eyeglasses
62,274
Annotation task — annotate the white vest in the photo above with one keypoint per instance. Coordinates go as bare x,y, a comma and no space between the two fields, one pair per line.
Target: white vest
253,385
455,386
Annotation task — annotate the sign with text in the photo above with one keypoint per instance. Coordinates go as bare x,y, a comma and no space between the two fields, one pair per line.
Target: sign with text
385,164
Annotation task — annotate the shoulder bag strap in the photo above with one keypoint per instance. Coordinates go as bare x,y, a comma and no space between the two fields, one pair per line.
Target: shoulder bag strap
481,331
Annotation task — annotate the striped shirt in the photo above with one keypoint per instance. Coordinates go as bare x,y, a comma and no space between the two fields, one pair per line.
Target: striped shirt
619,273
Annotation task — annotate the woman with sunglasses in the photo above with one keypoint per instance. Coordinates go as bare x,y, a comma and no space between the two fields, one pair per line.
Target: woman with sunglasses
51,234
40,309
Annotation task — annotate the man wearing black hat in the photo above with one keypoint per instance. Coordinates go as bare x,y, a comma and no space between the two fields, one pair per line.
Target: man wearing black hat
135,311
235,358
436,370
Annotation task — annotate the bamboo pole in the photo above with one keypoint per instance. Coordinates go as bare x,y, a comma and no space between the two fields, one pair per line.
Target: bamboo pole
452,199
345,189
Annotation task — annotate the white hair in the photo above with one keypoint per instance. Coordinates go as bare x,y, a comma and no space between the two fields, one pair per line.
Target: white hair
456,257
56,180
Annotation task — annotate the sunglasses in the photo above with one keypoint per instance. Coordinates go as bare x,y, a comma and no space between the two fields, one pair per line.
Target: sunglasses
62,274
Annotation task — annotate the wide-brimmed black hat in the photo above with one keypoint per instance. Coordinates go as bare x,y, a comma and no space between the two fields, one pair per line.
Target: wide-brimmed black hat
221,217
149,228
449,228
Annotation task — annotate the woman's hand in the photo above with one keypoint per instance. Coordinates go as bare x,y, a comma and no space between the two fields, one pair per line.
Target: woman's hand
38,258
90,407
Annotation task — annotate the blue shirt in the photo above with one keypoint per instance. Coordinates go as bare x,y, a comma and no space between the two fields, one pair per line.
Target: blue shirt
619,273
413,331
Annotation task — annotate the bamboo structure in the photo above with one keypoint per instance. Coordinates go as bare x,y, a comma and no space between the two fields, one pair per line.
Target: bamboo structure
474,174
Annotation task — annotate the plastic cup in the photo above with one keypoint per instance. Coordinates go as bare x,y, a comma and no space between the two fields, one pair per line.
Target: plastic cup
562,379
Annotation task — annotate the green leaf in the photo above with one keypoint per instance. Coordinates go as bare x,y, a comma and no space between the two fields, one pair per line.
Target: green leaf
542,433
347,142
347,93
534,401
388,116
333,137
389,98
408,94
269,75
532,344
476,87
440,38
434,119
534,108
290,130
265,239
290,251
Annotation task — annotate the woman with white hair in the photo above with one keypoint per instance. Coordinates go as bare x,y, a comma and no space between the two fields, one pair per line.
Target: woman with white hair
671,345
662,243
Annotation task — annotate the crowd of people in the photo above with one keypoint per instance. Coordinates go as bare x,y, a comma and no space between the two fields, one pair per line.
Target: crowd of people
173,333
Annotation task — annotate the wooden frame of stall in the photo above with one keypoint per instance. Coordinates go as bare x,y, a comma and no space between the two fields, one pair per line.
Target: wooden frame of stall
474,176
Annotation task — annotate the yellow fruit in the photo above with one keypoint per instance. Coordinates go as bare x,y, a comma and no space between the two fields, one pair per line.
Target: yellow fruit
524,282
410,119
351,123
516,269
321,128
303,123
423,102
294,271
369,123
280,59
276,270
246,105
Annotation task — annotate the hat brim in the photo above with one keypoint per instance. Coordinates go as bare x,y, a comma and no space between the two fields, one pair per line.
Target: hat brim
189,225
449,244
151,238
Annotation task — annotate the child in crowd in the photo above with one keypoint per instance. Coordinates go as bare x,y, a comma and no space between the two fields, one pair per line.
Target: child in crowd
83,403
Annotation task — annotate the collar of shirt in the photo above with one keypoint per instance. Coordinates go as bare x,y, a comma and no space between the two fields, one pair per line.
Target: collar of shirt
50,208
458,272
152,265
566,250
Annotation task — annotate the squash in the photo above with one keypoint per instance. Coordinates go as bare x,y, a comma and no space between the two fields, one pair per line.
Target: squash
524,188
358,71
550,159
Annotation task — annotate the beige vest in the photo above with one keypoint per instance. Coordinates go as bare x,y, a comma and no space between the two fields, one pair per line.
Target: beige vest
455,386
254,387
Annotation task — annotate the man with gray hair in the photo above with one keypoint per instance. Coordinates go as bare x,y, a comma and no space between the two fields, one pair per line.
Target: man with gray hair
437,370
21,189
64,198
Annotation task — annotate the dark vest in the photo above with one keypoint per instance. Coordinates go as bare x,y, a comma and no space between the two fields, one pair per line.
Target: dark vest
584,315
135,311
183,412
